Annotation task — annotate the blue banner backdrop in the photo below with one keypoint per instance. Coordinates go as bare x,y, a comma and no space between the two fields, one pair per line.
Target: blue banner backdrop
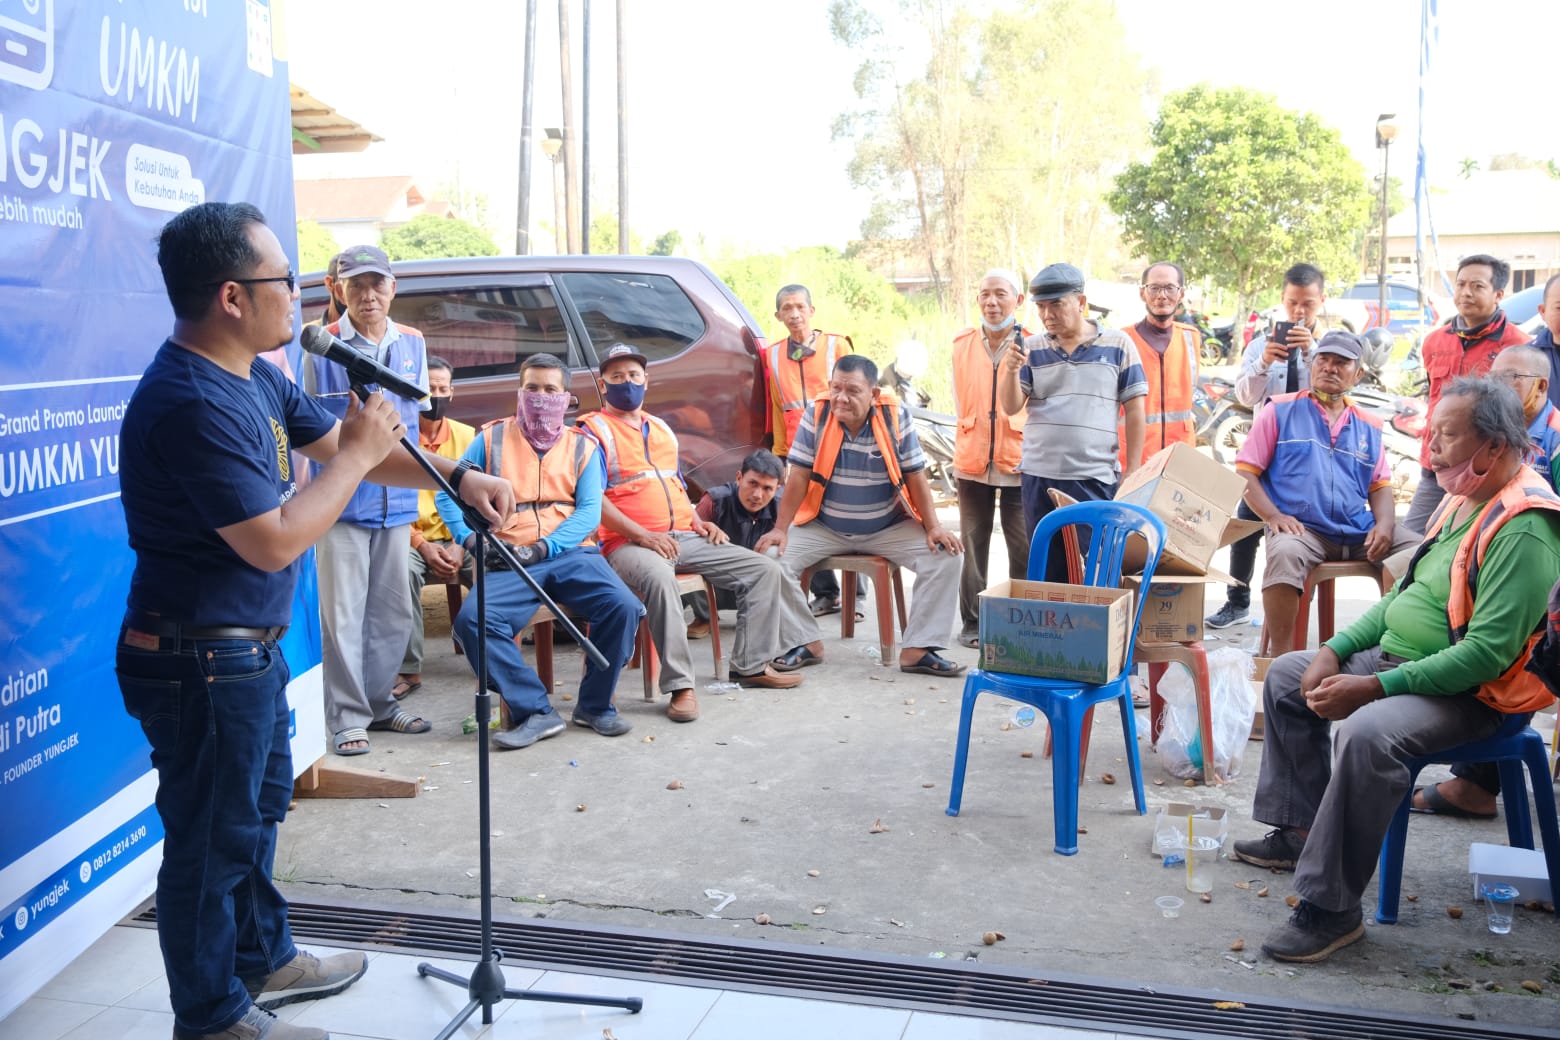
113,117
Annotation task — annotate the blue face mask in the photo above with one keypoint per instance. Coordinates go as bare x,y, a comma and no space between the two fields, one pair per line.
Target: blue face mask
625,397
1004,323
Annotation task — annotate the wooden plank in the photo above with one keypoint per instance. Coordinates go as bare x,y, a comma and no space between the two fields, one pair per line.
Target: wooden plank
333,781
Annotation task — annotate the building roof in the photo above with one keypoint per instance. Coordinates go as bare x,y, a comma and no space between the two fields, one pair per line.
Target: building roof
1501,202
319,128
359,198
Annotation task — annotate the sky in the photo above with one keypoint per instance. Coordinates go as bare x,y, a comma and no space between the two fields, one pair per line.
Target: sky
731,102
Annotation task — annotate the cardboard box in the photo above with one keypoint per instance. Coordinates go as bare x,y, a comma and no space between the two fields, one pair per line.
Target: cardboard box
1522,869
1196,498
1173,610
1207,821
1055,631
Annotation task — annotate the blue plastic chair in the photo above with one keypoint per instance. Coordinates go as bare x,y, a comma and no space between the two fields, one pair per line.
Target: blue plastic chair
1065,703
1514,745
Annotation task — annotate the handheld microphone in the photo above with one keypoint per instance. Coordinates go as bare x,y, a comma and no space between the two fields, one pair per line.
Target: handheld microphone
362,368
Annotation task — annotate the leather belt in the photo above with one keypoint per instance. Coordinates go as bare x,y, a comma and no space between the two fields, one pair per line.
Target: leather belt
166,628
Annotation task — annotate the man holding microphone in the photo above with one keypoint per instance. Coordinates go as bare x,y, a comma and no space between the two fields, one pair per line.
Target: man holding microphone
218,521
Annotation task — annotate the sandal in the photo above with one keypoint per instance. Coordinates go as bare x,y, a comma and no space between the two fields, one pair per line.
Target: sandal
404,688
931,664
356,735
402,722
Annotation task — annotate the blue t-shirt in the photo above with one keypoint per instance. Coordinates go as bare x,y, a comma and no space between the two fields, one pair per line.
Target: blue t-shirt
201,449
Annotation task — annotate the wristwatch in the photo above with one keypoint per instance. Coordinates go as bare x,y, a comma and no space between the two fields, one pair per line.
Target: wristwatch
461,469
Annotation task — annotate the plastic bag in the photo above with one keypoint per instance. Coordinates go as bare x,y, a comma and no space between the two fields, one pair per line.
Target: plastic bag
1234,704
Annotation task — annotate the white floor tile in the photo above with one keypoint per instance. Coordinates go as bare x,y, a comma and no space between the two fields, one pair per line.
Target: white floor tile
924,1026
751,1016
44,1019
392,1002
118,964
670,1012
122,1023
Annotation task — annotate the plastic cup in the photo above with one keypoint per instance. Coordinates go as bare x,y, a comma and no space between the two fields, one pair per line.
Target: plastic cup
1500,900
1169,906
1201,854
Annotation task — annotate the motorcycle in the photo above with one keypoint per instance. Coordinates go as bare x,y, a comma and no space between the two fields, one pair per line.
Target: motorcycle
935,430
1218,341
1220,420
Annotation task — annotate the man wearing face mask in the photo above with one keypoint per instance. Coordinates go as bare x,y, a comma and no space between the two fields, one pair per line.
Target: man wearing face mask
650,533
1526,370
1437,662
1268,367
557,476
1465,346
434,552
988,446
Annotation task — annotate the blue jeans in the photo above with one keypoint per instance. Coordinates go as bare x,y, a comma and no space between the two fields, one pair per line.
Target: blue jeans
578,579
1037,505
215,713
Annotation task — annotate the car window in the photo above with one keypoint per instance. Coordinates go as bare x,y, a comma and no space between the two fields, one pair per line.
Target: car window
1403,294
483,332
1519,307
1360,292
649,312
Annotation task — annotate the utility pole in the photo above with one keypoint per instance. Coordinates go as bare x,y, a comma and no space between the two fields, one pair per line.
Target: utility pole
523,208
622,130
585,127
571,167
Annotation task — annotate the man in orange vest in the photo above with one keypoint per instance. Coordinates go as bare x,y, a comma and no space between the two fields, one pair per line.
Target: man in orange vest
1439,661
650,533
1168,351
796,373
987,446
556,473
858,485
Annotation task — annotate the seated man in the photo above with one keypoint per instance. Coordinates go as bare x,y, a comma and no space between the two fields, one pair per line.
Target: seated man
858,485
434,553
1317,475
650,533
558,481
1436,663
745,510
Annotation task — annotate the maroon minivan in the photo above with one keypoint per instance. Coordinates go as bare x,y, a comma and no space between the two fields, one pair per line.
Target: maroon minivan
483,314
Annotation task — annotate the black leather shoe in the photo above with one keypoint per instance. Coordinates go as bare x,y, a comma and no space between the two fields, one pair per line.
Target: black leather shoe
796,657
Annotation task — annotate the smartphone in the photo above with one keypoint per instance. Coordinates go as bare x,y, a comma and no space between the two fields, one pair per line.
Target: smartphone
27,42
1280,332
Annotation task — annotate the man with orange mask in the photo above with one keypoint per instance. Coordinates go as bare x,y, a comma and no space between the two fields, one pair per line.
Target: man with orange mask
987,448
557,477
650,533
1167,350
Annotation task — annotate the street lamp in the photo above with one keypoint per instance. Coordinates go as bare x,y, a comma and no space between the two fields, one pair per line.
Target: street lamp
1386,130
552,147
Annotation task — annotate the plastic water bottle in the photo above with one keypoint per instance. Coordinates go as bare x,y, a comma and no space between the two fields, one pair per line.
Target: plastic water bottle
1024,716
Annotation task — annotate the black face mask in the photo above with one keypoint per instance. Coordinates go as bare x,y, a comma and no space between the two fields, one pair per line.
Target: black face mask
436,408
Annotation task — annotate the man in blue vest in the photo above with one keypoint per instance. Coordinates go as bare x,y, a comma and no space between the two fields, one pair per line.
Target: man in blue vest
1316,474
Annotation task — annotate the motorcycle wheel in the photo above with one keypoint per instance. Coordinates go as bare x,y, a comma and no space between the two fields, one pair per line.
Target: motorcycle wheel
1228,435
1213,351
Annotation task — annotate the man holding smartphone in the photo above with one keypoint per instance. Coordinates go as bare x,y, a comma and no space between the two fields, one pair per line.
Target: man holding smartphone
1275,362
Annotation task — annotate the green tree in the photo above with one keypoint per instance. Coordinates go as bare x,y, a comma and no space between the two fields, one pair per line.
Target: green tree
427,236
315,246
666,244
1239,189
604,236
1467,167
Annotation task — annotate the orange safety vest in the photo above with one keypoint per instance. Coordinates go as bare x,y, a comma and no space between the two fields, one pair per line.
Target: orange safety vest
793,385
1516,690
544,486
643,480
975,395
1171,377
884,419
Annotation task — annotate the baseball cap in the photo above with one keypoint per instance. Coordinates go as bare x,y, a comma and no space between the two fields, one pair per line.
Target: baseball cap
362,260
1344,344
619,351
1055,281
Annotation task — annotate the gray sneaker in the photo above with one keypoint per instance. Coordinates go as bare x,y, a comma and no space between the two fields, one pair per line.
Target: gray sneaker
257,1024
1227,615
1313,934
536,727
1278,849
307,977
609,723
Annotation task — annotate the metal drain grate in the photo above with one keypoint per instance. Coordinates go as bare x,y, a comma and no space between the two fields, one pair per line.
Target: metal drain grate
879,980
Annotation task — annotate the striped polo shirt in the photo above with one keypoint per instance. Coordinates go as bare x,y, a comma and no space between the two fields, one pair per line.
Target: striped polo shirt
1074,402
859,498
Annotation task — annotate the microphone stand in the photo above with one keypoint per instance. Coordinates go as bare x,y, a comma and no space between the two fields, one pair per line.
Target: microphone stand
486,985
